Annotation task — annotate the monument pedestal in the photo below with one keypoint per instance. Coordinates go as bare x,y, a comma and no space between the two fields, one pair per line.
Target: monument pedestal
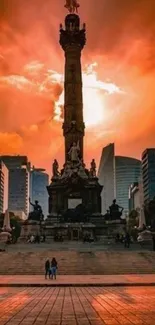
70,231
76,196
30,227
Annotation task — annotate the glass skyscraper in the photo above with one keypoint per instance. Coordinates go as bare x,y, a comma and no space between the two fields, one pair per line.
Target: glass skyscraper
127,171
39,180
116,173
18,167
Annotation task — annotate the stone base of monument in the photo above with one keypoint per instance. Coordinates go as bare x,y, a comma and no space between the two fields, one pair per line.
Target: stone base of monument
97,228
30,228
69,231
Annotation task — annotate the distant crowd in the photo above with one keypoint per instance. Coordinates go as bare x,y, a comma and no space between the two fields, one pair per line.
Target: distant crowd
124,239
36,239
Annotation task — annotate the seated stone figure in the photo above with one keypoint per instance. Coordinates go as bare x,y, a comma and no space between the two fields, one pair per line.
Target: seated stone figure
37,213
115,211
107,216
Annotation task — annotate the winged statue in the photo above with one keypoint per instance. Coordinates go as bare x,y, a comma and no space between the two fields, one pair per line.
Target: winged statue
72,6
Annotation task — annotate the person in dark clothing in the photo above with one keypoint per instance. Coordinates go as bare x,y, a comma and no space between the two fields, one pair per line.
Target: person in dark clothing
117,239
47,269
127,240
153,239
122,239
54,267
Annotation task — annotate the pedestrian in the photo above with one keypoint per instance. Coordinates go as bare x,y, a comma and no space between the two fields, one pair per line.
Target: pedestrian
47,269
32,239
54,267
153,239
127,240
117,239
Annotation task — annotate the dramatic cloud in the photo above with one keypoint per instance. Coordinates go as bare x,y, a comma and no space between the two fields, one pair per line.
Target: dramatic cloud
119,89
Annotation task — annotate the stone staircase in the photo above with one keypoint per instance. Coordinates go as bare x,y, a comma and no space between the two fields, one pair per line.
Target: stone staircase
78,263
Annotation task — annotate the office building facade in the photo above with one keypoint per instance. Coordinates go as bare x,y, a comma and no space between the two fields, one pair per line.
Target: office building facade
116,173
19,183
148,174
4,187
106,176
39,181
127,171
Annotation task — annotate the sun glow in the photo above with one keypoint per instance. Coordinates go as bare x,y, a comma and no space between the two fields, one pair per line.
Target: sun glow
93,97
93,107
40,80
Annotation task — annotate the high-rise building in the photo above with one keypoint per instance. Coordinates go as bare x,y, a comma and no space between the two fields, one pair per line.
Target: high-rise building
116,173
15,161
4,187
148,174
39,181
106,176
127,171
19,173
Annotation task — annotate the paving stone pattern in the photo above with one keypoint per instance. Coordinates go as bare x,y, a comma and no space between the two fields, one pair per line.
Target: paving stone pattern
79,263
80,306
78,280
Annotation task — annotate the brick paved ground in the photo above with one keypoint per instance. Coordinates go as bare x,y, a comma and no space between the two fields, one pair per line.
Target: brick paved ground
80,306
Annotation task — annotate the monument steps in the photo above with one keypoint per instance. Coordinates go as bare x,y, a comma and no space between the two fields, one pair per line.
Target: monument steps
76,263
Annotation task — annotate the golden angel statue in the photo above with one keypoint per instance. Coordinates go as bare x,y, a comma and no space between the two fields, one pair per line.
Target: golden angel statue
72,6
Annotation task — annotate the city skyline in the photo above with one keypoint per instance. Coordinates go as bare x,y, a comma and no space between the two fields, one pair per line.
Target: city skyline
121,83
116,174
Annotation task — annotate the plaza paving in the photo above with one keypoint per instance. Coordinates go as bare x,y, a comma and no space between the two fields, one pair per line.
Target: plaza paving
78,280
80,306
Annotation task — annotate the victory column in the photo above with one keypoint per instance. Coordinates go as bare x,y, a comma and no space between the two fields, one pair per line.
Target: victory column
74,183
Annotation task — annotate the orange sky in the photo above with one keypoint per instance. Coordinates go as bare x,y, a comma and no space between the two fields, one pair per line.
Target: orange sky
120,38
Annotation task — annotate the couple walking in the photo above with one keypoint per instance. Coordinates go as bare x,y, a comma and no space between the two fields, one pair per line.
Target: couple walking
51,268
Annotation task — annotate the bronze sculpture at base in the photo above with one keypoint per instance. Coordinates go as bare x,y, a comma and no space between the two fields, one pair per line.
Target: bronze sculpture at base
37,213
115,211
